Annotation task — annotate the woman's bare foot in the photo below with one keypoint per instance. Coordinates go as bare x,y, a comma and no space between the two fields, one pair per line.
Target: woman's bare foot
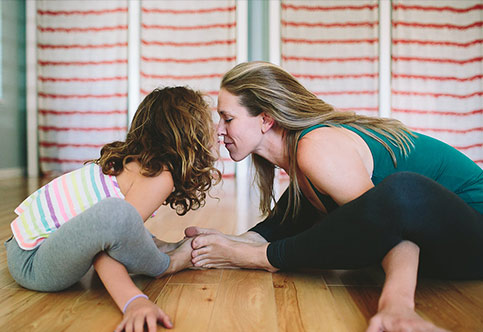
193,231
248,237
219,251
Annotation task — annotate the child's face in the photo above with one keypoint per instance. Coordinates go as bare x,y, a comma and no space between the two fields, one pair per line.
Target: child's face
215,147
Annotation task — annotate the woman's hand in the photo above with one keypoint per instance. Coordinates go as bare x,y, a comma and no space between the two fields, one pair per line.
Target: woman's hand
398,319
396,304
142,312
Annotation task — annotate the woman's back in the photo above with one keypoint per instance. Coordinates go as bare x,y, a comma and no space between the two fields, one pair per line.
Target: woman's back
429,157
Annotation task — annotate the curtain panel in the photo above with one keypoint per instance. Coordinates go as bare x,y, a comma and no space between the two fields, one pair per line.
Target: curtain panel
82,72
437,71
81,80
188,43
331,47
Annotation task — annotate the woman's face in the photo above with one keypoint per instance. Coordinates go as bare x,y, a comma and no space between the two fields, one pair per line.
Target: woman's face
241,132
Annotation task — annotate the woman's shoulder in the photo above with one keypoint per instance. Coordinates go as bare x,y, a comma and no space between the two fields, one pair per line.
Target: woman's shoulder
333,160
326,138
325,142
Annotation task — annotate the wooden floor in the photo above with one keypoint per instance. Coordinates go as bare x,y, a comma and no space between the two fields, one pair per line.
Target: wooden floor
225,300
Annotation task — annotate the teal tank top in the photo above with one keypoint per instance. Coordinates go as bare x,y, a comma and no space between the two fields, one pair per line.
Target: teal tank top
429,157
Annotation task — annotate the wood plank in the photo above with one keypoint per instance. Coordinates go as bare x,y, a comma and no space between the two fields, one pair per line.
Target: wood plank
473,290
211,276
372,276
442,303
189,306
90,311
13,300
365,298
87,298
61,312
305,303
344,305
154,288
245,302
288,309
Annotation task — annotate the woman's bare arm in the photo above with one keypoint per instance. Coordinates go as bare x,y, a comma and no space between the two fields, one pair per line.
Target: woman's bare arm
396,303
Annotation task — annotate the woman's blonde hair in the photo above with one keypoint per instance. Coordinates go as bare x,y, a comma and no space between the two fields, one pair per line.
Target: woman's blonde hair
171,130
266,88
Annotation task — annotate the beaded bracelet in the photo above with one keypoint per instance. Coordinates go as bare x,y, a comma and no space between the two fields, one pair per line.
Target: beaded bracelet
132,299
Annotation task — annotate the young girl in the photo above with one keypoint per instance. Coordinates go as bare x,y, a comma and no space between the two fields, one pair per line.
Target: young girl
95,215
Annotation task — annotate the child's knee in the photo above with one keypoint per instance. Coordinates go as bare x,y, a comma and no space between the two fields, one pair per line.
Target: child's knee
117,215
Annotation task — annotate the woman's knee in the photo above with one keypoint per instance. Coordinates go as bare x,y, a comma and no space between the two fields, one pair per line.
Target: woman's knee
405,190
398,197
407,183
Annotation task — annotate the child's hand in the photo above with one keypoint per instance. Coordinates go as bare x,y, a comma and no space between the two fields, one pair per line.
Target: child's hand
142,312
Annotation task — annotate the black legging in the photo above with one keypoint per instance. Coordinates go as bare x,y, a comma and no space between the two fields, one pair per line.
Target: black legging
405,206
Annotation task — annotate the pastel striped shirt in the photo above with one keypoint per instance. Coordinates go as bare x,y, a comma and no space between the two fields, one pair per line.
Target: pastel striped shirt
47,209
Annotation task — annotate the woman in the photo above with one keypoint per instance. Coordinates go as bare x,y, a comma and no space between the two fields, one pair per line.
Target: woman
363,191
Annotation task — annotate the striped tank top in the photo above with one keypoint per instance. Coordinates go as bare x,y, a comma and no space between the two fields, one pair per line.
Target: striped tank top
47,209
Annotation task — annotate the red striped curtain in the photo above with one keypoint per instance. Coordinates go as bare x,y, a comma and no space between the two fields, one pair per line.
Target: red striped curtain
331,47
437,71
82,79
189,43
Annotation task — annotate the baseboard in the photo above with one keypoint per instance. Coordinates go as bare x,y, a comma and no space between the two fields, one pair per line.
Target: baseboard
15,172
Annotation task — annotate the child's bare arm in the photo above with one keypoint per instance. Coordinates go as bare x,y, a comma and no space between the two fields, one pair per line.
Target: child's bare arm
146,194
122,289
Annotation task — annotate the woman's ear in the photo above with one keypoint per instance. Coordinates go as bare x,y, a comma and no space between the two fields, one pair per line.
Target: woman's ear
267,122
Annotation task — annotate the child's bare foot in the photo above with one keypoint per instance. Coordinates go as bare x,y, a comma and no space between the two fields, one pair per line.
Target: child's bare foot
166,246
180,257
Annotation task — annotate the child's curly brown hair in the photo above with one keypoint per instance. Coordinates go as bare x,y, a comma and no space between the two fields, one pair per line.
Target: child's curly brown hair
171,130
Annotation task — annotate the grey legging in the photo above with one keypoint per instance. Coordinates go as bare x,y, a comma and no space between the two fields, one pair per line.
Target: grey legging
112,225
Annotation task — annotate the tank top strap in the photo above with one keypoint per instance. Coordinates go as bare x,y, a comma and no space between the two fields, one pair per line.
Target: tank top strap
309,129
326,200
